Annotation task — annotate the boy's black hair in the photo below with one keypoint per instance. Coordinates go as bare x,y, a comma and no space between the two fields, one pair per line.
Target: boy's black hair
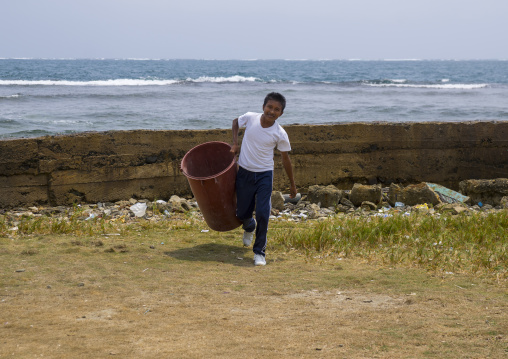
275,96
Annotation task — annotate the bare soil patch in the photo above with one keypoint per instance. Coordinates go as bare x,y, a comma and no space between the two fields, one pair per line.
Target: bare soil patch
192,294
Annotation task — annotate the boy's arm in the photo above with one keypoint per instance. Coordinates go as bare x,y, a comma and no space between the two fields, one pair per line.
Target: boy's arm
235,128
286,162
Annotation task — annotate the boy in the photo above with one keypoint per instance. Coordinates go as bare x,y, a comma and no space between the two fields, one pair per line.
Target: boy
254,180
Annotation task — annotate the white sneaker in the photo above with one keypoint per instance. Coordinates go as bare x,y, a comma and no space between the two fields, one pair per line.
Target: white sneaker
259,260
248,236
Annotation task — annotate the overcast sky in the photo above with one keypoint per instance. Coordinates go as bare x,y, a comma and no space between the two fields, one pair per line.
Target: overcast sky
260,29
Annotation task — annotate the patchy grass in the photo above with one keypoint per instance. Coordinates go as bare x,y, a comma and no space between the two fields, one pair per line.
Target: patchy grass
346,287
475,243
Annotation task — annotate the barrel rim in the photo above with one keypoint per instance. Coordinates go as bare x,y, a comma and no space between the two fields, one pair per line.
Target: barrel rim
233,162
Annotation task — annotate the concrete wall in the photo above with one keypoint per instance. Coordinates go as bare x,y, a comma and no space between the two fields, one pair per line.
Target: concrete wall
110,166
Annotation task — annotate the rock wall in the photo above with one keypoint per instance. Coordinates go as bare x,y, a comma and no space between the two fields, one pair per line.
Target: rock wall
110,166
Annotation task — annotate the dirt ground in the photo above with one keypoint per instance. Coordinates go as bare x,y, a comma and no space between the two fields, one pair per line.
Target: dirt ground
156,295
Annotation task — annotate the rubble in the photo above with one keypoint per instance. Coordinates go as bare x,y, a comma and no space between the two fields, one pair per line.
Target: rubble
324,196
486,191
451,208
504,202
365,193
419,198
277,201
412,195
447,195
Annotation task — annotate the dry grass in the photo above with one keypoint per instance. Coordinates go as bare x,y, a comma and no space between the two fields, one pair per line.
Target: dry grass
170,290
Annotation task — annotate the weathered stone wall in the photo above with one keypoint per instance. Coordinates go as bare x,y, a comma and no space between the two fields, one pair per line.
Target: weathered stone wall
110,166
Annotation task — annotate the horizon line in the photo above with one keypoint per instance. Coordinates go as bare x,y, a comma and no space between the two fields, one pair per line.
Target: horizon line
233,59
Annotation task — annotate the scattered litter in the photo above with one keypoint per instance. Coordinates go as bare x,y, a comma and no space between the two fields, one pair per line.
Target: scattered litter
422,206
447,195
91,216
399,204
139,209
205,230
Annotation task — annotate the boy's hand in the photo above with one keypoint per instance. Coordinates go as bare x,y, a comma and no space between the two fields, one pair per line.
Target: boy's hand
293,192
235,149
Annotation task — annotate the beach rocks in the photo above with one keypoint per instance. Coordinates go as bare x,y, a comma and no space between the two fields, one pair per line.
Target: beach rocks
485,191
504,202
324,196
178,204
412,194
277,201
453,209
365,193
121,210
368,201
368,206
346,202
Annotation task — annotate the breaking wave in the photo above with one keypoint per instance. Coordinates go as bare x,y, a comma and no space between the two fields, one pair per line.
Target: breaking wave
443,85
126,82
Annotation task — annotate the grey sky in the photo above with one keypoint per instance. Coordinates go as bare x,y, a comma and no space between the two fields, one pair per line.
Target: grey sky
261,29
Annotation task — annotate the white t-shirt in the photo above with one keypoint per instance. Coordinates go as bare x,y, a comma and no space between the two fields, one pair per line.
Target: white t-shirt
256,153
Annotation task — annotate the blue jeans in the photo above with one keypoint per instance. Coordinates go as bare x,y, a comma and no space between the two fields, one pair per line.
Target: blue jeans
254,190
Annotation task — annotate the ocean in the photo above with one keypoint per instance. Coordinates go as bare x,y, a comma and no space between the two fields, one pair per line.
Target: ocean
41,97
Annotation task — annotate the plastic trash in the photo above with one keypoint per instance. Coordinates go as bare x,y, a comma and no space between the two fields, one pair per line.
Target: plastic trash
90,216
287,199
422,206
139,209
399,204
447,195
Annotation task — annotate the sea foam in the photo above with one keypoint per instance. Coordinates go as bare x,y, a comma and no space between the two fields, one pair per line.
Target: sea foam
117,82
236,78
432,86
17,95
124,82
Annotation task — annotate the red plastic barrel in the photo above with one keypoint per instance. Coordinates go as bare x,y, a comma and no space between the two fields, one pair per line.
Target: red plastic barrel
211,169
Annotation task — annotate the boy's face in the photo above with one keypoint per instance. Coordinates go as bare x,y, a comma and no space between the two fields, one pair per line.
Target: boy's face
272,111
